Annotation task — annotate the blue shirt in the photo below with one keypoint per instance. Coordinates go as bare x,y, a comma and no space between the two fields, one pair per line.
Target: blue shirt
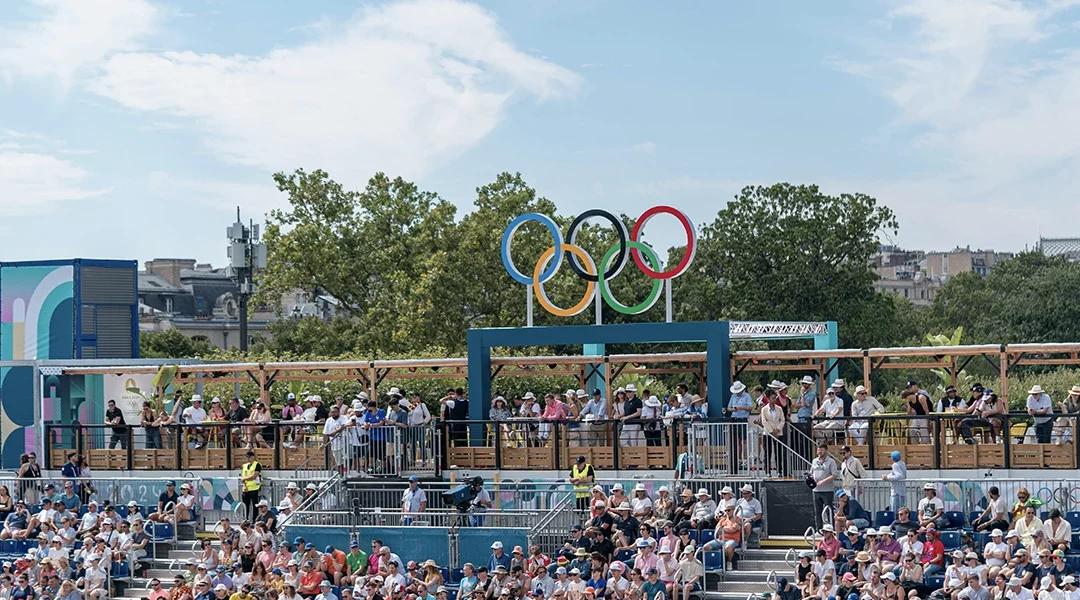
740,405
377,433
495,561
70,502
804,413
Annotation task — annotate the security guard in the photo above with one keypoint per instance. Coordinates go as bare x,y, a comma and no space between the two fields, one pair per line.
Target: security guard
251,482
582,476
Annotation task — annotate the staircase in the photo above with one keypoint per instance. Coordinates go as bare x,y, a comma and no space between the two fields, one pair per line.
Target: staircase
756,572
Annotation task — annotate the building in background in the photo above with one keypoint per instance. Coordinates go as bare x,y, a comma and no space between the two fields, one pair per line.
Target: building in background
201,302
918,275
1067,247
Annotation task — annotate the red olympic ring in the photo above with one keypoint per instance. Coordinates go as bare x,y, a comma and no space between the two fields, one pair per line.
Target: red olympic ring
691,246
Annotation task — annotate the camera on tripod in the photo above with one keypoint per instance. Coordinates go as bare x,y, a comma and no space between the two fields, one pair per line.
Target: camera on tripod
461,497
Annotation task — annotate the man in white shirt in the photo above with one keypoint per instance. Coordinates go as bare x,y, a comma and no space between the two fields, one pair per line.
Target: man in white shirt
1068,584
748,509
932,509
996,514
335,423
1017,591
996,551
773,422
864,405
1041,407
195,415
413,500
1058,531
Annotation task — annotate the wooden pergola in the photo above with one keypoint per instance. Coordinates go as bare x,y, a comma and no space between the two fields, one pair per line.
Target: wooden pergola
822,363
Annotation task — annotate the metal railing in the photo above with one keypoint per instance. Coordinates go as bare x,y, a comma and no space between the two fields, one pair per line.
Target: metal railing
282,445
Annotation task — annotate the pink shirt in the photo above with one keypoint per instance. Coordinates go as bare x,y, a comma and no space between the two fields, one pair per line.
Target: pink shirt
831,548
644,563
555,410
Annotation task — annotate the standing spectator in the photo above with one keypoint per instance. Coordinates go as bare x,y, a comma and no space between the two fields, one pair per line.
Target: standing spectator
823,472
413,501
334,434
851,470
1041,407
918,404
773,421
151,426
805,404
864,405
593,434
251,482
631,423
374,421
582,475
554,411
72,471
115,417
896,478
740,403
651,412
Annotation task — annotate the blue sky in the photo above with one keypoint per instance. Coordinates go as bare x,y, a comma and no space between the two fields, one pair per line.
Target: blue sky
132,128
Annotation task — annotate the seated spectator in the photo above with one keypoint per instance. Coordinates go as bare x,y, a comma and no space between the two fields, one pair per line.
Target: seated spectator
975,590
1017,591
903,522
641,505
933,554
1058,531
831,414
852,540
864,405
932,509
748,509
887,549
829,543
849,512
996,514
1027,525
688,577
729,533
909,574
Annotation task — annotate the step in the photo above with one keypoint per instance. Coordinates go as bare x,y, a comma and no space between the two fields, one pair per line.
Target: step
743,586
726,595
764,565
741,574
766,554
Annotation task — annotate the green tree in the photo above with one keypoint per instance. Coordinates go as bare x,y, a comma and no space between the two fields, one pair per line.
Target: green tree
383,252
173,344
790,252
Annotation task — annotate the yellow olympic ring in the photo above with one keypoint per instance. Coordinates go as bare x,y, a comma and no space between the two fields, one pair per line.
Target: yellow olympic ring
541,296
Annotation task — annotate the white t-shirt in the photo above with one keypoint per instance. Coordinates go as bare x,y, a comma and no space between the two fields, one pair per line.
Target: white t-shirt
820,569
332,426
640,505
912,547
999,509
194,416
998,547
928,507
418,415
1023,594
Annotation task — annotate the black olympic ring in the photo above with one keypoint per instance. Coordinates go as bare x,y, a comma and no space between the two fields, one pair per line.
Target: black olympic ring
620,229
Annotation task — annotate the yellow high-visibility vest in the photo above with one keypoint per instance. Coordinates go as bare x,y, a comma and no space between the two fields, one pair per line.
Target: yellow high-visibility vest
247,470
581,490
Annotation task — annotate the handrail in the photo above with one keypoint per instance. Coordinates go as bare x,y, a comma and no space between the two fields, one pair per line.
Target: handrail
808,536
787,558
552,514
805,463
771,579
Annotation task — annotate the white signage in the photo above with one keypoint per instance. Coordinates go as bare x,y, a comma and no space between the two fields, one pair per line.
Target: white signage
129,403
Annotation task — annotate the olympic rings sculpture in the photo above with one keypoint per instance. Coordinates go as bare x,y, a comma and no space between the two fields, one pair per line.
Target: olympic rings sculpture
596,275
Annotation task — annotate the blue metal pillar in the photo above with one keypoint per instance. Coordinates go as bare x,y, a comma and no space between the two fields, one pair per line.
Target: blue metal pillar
828,341
596,380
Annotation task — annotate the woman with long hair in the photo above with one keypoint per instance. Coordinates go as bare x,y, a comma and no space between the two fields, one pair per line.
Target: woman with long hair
29,479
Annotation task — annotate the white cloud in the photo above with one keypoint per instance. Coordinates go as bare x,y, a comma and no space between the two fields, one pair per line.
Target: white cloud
255,199
402,88
71,36
644,147
33,182
985,92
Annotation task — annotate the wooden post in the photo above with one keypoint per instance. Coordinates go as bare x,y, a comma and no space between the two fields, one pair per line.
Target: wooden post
264,392
371,381
607,386
952,370
866,372
1003,388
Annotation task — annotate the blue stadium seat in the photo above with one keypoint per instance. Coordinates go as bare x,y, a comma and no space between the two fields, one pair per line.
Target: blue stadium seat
8,547
451,594
935,582
1073,517
1073,560
120,570
1044,515
122,510
624,555
445,572
456,575
707,535
78,545
161,532
693,535
35,509
83,510
973,515
884,517
714,561
956,519
26,545
950,539
981,538
1075,542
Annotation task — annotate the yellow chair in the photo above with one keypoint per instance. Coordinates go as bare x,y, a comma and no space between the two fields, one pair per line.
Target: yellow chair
1017,431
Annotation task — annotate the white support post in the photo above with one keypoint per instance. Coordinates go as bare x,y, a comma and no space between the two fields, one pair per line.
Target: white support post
528,305
667,298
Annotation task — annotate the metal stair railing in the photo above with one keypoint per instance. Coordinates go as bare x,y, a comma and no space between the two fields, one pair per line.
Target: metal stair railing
549,531
304,472
789,461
